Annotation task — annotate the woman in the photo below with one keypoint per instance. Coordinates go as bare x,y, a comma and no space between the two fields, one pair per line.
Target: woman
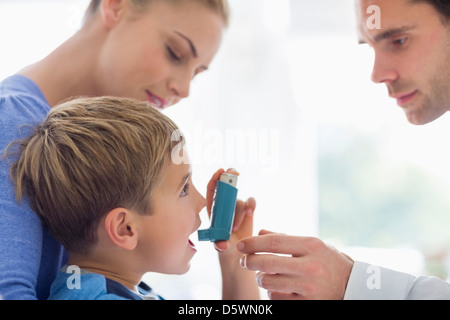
142,49
138,49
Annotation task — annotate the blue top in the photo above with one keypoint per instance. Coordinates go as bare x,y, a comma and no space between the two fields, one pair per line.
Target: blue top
29,256
79,284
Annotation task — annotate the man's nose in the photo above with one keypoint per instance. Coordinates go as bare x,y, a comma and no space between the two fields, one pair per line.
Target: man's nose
384,71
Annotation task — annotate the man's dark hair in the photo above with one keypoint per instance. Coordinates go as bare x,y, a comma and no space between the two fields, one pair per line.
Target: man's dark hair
441,6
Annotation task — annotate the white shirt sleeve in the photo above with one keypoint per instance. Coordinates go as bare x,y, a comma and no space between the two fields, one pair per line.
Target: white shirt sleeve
369,282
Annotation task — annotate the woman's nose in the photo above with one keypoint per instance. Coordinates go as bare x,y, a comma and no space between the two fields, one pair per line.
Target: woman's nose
180,86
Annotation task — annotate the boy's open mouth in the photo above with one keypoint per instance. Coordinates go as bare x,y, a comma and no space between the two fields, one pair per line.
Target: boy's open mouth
191,244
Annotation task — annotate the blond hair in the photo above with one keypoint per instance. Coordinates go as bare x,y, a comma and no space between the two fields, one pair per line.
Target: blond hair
220,7
89,156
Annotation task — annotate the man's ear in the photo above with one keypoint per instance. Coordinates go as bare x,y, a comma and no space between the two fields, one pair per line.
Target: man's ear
111,12
119,225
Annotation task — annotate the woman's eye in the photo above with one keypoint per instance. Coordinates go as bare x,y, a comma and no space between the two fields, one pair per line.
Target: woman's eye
172,54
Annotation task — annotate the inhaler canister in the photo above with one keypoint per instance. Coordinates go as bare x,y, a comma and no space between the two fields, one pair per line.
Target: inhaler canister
223,209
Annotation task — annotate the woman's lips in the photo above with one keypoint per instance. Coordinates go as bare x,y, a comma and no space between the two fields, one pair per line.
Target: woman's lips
160,103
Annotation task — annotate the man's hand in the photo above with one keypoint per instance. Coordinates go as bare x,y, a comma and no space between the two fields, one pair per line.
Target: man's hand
313,270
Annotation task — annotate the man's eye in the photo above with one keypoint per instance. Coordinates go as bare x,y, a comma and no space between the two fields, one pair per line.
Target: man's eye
400,41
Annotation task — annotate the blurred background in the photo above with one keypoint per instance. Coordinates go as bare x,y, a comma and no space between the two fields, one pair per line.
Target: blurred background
288,102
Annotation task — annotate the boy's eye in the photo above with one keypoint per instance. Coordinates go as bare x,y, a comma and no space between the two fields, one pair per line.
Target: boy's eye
185,191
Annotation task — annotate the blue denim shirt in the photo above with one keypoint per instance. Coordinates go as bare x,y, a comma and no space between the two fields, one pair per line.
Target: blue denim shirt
29,256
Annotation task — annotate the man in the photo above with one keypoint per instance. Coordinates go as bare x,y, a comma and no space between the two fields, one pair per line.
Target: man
412,58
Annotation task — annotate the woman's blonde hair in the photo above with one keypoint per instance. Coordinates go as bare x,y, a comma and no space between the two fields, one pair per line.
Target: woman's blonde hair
89,156
220,7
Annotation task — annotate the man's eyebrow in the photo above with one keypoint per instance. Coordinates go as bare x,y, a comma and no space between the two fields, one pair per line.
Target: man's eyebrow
388,33
191,45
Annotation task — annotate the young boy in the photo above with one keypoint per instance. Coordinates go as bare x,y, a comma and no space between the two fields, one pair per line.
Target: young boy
98,172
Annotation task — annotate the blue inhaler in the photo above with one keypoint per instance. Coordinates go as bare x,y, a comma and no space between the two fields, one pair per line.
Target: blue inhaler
223,207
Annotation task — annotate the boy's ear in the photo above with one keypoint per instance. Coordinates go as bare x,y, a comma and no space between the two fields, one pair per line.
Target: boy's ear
119,225
111,12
